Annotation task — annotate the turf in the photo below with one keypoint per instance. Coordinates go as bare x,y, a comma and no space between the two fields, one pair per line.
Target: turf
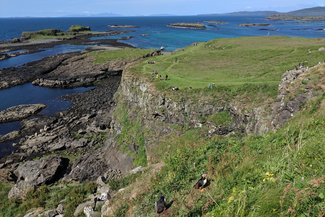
233,62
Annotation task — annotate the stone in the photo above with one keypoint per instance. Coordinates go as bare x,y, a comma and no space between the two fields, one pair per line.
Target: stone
35,173
80,208
107,209
80,143
321,49
50,213
137,170
34,212
19,112
60,209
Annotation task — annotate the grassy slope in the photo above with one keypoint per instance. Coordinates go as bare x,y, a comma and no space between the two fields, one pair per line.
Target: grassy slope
277,174
125,54
229,62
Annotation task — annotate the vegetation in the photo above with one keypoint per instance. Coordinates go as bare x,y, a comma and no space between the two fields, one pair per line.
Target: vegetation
125,54
73,31
188,25
278,174
292,17
47,197
233,63
132,136
79,28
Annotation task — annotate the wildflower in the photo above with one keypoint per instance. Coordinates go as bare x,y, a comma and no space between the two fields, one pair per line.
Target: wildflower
231,199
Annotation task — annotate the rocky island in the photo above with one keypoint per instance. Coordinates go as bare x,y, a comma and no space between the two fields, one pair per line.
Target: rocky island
254,24
187,25
123,26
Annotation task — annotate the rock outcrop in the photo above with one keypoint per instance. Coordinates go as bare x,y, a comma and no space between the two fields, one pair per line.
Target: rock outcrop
35,173
19,112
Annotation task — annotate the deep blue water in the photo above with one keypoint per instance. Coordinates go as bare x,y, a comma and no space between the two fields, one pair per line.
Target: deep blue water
158,34
26,58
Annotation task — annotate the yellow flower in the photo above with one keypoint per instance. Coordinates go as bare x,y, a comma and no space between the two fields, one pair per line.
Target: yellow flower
231,199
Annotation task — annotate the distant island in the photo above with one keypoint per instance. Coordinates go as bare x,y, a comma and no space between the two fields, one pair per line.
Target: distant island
301,18
254,24
123,26
187,25
308,14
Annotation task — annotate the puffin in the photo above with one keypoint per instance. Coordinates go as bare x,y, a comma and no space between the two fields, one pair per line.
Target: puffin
161,204
202,182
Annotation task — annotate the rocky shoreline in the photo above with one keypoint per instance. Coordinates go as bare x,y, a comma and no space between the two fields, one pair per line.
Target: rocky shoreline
14,49
45,146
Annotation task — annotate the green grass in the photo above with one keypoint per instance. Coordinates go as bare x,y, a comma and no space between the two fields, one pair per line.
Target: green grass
125,54
132,135
233,62
48,197
79,28
278,174
221,118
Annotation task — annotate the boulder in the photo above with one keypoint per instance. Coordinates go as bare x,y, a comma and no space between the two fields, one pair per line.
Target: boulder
107,209
35,173
321,49
80,208
34,212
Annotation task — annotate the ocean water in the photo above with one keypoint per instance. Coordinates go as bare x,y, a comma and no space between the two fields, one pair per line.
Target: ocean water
29,94
152,32
26,58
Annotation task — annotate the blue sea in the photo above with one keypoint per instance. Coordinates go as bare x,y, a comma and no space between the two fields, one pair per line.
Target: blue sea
154,33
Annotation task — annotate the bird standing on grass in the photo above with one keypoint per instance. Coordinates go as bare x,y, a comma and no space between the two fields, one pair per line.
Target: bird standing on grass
161,204
202,182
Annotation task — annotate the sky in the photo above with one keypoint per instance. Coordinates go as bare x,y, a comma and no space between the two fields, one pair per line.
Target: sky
59,8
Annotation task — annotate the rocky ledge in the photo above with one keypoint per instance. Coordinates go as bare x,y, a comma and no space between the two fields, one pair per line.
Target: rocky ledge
19,112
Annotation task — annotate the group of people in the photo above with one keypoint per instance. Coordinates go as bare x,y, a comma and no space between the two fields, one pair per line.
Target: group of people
161,205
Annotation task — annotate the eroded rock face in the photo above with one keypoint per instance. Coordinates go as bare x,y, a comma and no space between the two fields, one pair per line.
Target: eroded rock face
284,108
20,112
35,173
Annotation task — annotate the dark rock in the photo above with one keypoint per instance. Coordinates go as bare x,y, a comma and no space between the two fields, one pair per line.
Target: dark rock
35,173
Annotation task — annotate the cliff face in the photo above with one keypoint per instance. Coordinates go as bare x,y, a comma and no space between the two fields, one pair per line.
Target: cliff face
193,111
140,96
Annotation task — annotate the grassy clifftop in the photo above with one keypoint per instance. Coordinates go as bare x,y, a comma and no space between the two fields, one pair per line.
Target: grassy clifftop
233,62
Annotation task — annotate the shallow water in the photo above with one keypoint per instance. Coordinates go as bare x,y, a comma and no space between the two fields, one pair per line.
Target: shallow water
26,58
30,94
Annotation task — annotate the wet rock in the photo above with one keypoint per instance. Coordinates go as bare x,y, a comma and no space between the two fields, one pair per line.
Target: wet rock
20,112
35,173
